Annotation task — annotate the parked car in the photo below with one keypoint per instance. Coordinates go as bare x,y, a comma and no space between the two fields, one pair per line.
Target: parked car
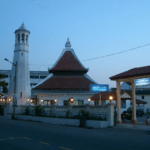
139,111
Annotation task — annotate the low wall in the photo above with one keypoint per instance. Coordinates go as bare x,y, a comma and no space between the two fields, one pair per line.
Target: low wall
104,112
96,124
56,121
64,121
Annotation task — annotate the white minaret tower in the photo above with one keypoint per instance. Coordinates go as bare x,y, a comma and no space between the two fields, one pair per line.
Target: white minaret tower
21,58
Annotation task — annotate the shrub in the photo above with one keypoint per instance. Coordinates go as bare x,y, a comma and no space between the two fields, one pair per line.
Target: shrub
27,111
67,113
1,110
84,114
38,110
12,117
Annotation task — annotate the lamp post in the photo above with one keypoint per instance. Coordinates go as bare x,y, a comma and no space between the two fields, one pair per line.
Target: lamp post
15,94
89,100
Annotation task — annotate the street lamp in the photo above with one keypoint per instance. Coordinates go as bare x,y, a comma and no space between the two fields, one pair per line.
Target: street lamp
55,100
110,98
89,100
71,100
15,94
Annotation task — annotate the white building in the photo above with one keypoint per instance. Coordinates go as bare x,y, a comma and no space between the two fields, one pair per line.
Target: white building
35,76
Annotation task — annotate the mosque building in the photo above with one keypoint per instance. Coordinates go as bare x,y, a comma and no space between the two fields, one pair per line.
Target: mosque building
67,79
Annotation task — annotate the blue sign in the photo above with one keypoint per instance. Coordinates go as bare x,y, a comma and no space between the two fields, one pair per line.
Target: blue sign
14,100
95,88
144,81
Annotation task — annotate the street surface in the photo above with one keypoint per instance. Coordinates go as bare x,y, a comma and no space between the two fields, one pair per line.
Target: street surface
25,135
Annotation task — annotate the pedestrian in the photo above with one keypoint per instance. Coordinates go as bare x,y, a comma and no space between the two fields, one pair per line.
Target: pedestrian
147,120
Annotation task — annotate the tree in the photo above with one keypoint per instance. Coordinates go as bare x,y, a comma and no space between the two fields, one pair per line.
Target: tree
3,83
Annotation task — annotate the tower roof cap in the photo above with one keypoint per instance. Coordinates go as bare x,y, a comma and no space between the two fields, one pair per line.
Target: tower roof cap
22,28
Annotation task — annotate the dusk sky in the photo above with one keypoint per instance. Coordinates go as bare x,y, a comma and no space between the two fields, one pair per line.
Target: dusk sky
95,28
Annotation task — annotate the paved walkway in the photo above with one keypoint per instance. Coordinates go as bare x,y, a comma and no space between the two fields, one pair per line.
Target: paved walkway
138,125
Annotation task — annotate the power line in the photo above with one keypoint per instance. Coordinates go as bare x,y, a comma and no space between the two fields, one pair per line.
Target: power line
40,64
117,53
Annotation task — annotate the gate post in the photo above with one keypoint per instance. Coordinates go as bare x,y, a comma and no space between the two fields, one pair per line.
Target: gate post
110,107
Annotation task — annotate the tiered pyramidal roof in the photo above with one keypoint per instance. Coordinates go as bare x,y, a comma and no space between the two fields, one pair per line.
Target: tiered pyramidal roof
68,63
68,73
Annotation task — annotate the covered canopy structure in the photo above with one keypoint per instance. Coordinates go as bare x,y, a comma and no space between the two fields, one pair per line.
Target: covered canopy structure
105,95
129,76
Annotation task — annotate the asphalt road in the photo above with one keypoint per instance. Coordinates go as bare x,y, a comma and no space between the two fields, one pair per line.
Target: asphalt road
24,135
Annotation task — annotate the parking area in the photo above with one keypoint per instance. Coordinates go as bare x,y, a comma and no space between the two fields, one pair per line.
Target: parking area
140,119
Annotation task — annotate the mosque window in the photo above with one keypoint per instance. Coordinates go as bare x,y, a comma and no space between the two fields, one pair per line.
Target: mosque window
26,38
66,102
22,38
20,94
80,102
18,37
6,76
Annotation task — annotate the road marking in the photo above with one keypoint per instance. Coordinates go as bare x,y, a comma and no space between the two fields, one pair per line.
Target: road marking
64,148
44,143
27,138
10,139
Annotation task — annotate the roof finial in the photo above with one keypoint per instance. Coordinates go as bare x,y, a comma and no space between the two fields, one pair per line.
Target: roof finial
22,26
68,44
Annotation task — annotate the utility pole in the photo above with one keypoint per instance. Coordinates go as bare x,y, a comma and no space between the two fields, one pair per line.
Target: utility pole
100,102
15,94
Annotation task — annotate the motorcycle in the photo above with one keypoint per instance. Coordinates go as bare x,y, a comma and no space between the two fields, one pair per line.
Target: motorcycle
126,116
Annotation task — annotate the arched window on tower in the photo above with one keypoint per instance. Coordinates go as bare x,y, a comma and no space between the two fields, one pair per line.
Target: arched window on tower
26,39
22,38
18,38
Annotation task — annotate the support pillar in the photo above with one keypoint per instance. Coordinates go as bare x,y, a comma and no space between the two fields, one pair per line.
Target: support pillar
110,114
134,120
100,101
119,121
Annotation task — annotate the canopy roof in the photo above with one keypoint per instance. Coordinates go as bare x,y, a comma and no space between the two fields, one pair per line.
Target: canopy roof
135,72
105,95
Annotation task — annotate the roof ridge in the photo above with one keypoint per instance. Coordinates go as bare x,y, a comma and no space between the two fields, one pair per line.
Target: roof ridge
67,49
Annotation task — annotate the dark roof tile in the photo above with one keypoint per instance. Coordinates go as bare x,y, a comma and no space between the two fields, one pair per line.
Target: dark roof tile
66,83
141,71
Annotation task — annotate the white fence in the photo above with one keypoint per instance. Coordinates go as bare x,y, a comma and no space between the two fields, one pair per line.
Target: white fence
103,112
